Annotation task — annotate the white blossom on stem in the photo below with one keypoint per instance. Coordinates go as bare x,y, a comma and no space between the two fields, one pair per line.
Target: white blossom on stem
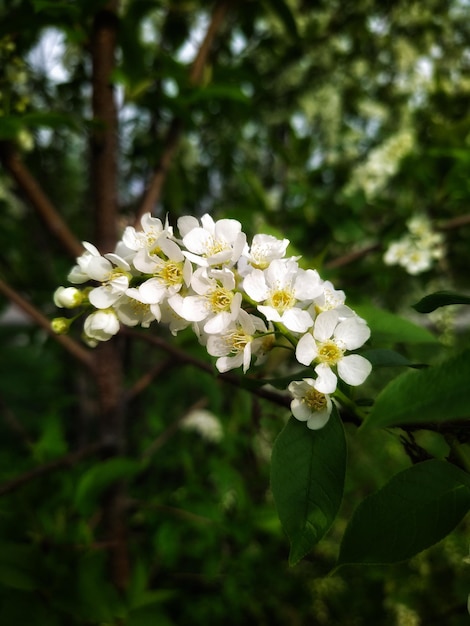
326,345
309,404
284,290
101,326
212,243
236,345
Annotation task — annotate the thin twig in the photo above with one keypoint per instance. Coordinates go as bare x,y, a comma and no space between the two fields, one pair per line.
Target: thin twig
73,347
171,430
38,199
351,257
231,379
153,192
69,460
146,379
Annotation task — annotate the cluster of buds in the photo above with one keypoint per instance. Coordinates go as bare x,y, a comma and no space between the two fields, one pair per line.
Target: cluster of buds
239,299
418,249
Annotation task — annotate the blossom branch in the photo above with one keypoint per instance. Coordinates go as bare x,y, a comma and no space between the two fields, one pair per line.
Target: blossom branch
153,191
74,348
38,199
183,357
356,255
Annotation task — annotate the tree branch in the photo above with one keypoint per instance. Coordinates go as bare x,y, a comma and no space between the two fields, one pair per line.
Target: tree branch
153,192
108,356
103,141
36,196
231,379
73,347
69,460
351,257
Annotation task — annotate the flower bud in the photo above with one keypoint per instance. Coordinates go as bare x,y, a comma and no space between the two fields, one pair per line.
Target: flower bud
68,297
60,325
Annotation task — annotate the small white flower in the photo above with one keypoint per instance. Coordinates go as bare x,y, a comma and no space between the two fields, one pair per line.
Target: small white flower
310,405
263,250
205,424
213,243
215,303
138,306
101,325
79,272
236,345
283,289
167,264
326,345
146,239
114,274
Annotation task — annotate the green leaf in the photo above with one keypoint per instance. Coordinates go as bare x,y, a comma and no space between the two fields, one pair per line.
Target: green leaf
217,92
286,16
307,481
100,477
440,298
388,327
436,394
417,508
51,119
389,358
18,566
10,126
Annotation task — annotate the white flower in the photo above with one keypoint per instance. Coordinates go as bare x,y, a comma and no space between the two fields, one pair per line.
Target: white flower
237,343
167,264
68,297
284,288
331,298
101,325
310,405
213,243
398,252
263,250
152,230
138,306
205,423
326,345
79,274
215,303
114,274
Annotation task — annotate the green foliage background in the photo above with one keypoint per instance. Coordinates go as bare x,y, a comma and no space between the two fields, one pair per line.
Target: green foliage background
281,134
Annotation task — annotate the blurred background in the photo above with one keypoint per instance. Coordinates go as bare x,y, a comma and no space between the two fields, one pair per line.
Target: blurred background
342,126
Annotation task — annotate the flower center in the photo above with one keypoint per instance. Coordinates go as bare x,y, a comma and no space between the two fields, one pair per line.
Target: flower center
171,273
215,247
315,400
329,353
238,340
220,299
282,300
138,307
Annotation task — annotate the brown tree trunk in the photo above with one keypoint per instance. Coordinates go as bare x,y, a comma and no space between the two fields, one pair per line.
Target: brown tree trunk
108,357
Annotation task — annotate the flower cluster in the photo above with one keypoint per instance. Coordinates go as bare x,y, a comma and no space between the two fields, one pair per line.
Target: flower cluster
239,299
418,249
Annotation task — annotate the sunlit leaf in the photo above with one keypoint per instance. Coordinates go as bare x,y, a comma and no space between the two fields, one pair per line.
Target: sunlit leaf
417,508
436,394
388,327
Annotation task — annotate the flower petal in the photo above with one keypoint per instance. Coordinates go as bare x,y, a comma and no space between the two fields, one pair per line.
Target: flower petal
354,369
326,381
325,324
306,349
352,332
